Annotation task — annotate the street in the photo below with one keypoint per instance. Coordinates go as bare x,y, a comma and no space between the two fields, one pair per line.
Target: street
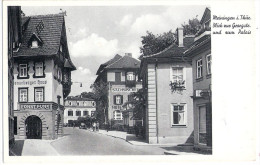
83,142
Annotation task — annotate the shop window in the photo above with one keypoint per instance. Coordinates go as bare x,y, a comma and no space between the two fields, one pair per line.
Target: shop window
23,95
38,69
208,59
23,71
78,113
117,76
85,113
179,115
199,68
118,115
38,94
118,99
70,113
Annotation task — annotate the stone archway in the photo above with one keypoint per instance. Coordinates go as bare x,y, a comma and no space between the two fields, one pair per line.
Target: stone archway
22,126
33,127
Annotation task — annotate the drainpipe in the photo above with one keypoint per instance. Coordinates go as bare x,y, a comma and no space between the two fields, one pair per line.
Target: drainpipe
156,90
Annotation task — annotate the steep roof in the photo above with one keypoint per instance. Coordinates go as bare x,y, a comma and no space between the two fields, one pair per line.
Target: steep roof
48,28
102,66
124,62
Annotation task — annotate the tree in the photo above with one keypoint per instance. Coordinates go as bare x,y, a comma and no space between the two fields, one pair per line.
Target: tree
88,95
137,103
152,44
192,27
100,94
155,43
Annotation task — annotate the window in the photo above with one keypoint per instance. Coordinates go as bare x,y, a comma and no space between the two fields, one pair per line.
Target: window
118,99
38,69
130,76
23,95
177,74
34,44
199,68
93,103
117,76
118,115
78,103
85,113
70,113
70,103
38,94
179,114
208,59
23,70
78,113
92,113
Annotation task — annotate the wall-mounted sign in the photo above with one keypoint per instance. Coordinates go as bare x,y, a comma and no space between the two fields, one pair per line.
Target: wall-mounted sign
25,106
31,82
117,107
124,89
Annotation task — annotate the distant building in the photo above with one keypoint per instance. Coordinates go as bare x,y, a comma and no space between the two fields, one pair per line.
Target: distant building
200,53
120,73
78,107
14,40
167,83
42,77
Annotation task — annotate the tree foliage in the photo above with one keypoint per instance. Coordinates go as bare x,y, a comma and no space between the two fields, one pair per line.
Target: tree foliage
137,103
152,44
100,94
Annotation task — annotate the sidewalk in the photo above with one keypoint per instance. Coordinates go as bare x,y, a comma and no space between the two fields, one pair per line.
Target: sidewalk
33,147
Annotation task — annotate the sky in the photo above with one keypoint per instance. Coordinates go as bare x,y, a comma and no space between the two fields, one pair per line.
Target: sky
96,33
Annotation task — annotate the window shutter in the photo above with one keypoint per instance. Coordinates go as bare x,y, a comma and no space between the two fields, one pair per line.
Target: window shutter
115,99
121,100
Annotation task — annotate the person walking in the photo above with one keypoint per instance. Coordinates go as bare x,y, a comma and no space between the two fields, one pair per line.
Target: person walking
94,127
97,126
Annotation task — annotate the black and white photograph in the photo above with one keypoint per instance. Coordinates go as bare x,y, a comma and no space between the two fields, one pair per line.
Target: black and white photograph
114,80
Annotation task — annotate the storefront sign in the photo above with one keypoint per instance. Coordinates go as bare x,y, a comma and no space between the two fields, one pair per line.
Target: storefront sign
32,82
35,106
117,107
124,89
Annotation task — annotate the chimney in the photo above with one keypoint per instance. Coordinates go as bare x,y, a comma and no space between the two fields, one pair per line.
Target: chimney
180,36
128,54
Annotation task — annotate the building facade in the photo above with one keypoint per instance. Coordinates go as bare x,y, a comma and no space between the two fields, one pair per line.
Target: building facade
200,53
121,76
42,77
167,84
78,107
14,39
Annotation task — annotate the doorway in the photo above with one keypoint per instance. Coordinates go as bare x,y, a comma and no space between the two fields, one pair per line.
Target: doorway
33,125
202,125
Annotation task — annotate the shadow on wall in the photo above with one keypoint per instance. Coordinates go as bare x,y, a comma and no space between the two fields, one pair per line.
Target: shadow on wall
17,149
190,140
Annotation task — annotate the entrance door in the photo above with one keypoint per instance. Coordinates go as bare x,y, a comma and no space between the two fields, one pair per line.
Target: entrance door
33,126
202,125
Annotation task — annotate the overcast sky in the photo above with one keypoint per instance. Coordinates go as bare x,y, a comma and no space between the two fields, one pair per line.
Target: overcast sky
96,33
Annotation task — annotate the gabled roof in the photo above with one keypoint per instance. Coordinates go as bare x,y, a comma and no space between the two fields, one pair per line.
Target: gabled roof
206,15
50,33
102,66
125,62
173,51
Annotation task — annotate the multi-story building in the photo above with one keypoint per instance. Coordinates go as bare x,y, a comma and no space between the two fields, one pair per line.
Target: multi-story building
14,39
121,75
167,83
42,77
200,53
78,106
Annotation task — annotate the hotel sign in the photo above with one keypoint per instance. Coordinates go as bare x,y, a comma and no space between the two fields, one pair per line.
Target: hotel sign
124,89
25,106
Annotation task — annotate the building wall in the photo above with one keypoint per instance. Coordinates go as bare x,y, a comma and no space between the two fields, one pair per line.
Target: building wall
165,98
52,88
202,84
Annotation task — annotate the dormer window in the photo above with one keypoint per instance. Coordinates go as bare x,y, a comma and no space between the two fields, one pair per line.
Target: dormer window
34,44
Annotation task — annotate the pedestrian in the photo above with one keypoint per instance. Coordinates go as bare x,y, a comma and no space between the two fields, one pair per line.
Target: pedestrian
94,126
136,131
97,126
73,125
107,126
